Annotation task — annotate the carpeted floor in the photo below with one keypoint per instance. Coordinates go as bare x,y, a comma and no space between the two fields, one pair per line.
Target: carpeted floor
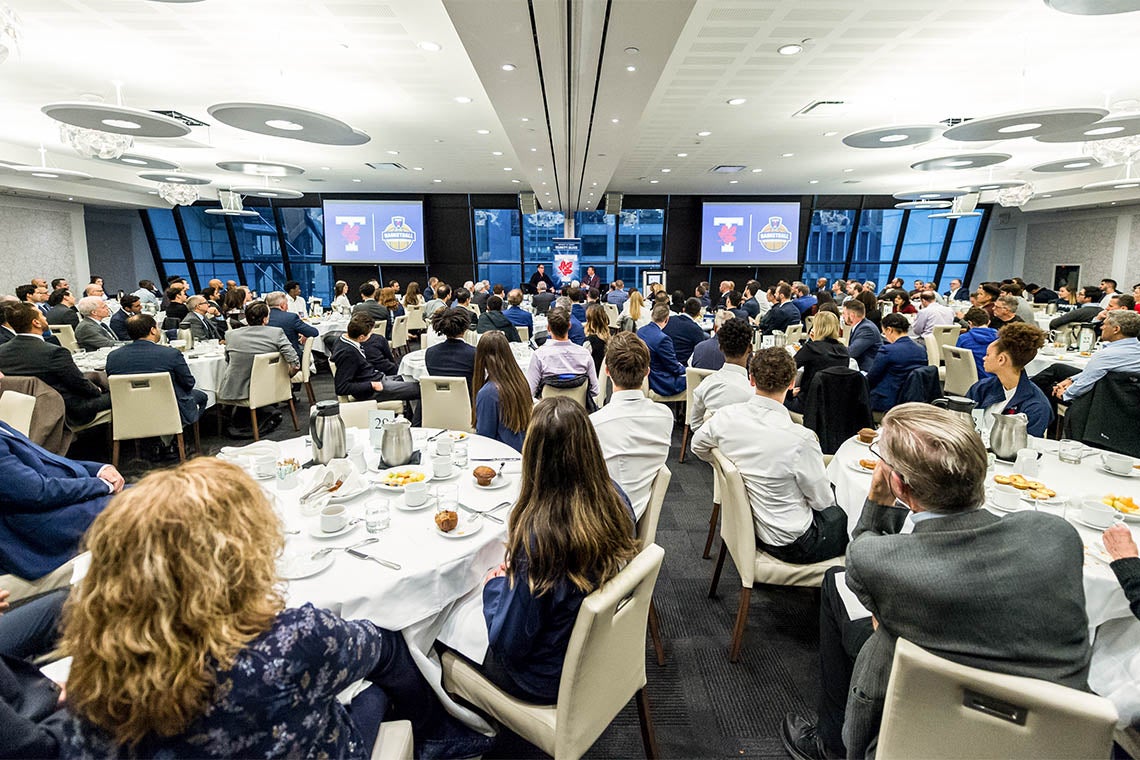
702,705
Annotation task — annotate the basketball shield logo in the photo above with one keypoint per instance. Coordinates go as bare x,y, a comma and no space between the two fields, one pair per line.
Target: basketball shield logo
398,236
774,236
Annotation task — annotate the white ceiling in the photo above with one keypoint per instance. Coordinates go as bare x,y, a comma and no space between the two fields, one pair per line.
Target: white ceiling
890,61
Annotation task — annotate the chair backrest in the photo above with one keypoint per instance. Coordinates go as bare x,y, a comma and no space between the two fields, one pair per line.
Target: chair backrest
936,708
793,333
613,313
446,402
415,315
605,659
693,378
933,352
269,380
355,413
961,370
399,332
475,309
144,405
736,528
577,393
16,410
66,336
524,333
332,368
808,322
844,332
307,360
605,386
945,335
647,525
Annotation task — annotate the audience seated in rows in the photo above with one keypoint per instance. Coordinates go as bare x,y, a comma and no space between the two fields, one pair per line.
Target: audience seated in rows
822,350
1120,353
1007,389
977,337
616,295
296,331
685,330
245,343
129,305
559,361
359,378
577,332
144,355
707,353
803,300
462,301
635,313
957,292
666,373
895,360
453,357
633,431
730,384
502,397
370,306
962,586
493,318
1004,311
92,334
864,339
175,307
198,321
783,313
441,300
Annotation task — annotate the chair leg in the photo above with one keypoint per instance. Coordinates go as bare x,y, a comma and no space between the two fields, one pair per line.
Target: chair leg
648,735
712,529
293,411
309,390
741,621
719,567
197,439
115,454
684,445
181,447
655,633
253,422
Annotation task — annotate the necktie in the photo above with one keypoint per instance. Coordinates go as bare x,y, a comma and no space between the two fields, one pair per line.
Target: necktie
109,331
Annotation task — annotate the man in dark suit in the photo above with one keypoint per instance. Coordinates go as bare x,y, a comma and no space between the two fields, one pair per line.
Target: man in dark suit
6,331
34,294
540,276
369,305
1041,294
542,300
666,374
1001,594
294,327
957,292
62,311
175,309
864,339
144,354
131,305
480,295
783,314
46,503
357,378
463,301
896,359
685,331
29,354
591,280
454,357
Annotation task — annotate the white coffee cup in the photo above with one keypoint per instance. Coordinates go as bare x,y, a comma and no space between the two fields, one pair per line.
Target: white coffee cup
1007,497
1117,463
333,518
415,494
443,445
1026,462
441,466
1098,514
263,465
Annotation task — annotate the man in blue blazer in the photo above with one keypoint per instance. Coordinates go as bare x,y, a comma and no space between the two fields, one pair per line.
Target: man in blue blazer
864,340
519,316
131,305
896,359
46,503
666,374
685,331
280,316
144,354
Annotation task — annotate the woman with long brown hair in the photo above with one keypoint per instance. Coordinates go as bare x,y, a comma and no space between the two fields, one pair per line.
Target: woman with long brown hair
389,301
571,531
597,334
234,307
502,396
183,646
340,296
412,295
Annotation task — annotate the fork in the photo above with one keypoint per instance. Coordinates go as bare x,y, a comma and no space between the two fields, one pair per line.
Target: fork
324,552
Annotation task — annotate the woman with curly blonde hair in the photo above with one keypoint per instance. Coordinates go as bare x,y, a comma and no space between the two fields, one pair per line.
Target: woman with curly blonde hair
635,311
183,645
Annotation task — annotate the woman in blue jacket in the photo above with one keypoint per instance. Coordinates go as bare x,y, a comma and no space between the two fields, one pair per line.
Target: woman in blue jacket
571,532
1009,390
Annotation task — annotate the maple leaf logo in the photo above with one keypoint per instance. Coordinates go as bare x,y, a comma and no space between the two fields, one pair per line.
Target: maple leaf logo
727,234
350,233
565,267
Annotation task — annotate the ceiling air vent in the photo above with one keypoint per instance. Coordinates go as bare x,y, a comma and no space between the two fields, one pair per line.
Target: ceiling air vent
187,120
821,109
954,121
386,166
726,169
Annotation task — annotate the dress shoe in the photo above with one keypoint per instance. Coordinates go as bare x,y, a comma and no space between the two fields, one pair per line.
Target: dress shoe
801,739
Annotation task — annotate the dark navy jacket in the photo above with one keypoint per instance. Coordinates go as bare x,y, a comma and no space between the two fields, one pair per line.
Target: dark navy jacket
892,364
666,374
293,326
863,344
1028,399
686,334
453,357
142,356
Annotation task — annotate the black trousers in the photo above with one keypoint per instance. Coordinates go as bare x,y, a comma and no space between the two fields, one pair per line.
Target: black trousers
825,538
840,640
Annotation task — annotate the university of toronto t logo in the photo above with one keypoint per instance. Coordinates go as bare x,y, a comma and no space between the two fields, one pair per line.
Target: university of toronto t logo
350,231
727,233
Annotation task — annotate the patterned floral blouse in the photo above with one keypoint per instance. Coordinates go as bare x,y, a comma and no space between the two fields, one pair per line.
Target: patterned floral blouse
278,699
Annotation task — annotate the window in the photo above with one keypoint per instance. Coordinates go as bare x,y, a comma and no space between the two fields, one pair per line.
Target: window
209,242
875,245
303,231
830,238
169,244
498,240
259,251
922,247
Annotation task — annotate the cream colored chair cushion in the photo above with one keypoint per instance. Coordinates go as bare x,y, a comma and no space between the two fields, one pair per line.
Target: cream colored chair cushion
145,406
446,403
394,742
577,394
16,409
770,570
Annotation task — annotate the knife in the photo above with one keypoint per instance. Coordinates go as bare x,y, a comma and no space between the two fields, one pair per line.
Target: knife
492,518
362,555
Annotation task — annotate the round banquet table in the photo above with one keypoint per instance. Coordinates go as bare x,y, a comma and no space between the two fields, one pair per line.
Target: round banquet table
1047,357
1043,320
412,366
1115,631
207,363
437,592
325,325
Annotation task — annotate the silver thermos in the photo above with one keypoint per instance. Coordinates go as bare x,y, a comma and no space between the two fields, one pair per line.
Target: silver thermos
326,429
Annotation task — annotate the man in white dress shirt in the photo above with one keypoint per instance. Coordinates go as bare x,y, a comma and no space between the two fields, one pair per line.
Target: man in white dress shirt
793,511
730,383
930,314
634,432
295,303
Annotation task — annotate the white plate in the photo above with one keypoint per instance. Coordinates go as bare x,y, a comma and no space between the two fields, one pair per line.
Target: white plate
868,445
1079,521
1132,473
497,482
458,435
398,489
468,526
341,494
1000,508
316,531
291,568
455,472
854,465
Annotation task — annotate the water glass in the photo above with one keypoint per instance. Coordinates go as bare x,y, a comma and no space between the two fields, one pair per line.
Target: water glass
447,498
377,515
1069,451
459,454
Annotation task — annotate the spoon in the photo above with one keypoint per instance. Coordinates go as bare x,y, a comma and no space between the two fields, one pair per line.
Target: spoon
326,481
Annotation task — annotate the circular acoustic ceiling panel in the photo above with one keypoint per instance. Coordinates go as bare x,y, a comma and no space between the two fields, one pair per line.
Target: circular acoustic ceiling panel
893,137
960,161
285,121
1068,165
120,120
1026,124
929,195
1105,129
266,192
1114,184
1094,7
177,179
143,162
918,205
995,185
260,168
48,172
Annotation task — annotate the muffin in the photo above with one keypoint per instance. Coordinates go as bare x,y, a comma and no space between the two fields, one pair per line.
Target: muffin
446,520
866,435
483,475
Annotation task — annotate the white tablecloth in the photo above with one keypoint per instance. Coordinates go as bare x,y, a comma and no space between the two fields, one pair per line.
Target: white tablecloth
1043,360
208,365
325,325
412,365
1115,671
1043,320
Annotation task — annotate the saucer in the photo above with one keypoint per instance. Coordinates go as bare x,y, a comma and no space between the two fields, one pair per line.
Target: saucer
854,465
1079,521
1020,508
467,527
403,506
1132,472
316,531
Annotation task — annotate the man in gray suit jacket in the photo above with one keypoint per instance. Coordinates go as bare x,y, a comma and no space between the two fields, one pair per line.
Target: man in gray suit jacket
244,343
91,334
1001,594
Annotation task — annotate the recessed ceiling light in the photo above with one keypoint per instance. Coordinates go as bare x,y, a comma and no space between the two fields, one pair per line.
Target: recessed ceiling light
463,99
45,175
1047,195
666,171
959,162
757,171
1089,132
417,168
174,179
325,168
122,124
593,184
534,150
506,168
508,67
496,153
631,50
1075,165
152,192
482,131
893,138
516,181
540,168
792,49
830,134
682,155
525,118
437,180
613,121
393,152
733,181
290,126
737,101
654,181
1013,129
787,155
548,193
70,198
631,68
705,133
813,181
431,47
357,180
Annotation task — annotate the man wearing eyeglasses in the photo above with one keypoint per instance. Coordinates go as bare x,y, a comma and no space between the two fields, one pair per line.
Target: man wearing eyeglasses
1001,594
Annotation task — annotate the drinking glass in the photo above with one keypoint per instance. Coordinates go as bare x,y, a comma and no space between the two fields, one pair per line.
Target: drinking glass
1069,451
377,515
446,498
459,454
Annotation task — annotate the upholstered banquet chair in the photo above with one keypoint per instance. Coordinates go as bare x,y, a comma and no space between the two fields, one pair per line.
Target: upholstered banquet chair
961,370
647,534
693,378
446,403
603,669
145,406
16,410
269,383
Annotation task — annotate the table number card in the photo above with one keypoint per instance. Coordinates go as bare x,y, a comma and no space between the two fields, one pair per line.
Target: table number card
376,420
